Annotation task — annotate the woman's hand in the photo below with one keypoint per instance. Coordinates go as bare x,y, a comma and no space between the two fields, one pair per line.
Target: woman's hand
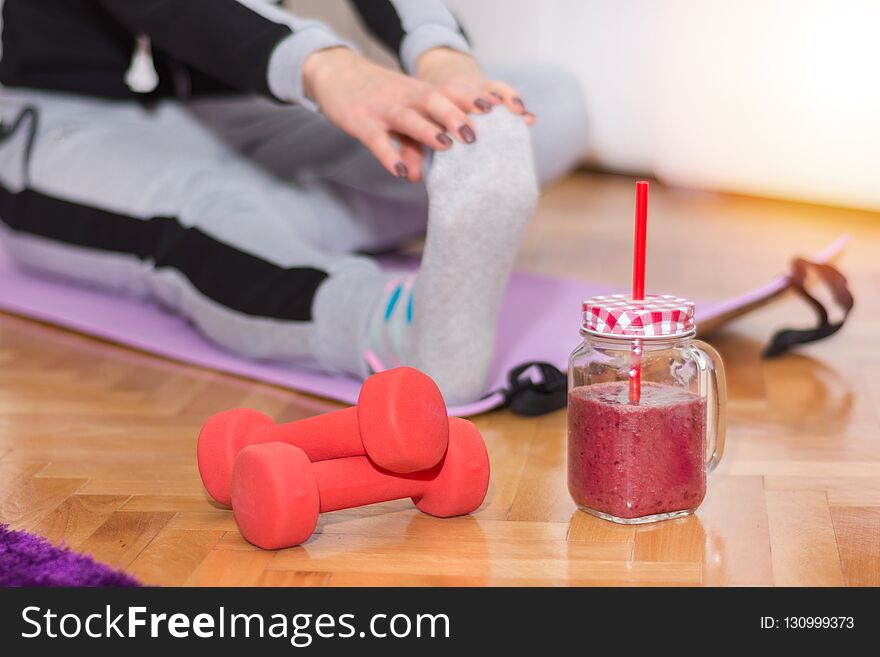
458,76
379,106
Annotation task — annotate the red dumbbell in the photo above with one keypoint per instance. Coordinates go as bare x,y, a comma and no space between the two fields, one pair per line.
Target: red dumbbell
400,422
277,493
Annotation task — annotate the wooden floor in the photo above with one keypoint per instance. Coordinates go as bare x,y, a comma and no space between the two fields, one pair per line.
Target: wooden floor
97,443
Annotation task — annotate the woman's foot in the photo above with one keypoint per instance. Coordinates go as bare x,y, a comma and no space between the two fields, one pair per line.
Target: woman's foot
443,320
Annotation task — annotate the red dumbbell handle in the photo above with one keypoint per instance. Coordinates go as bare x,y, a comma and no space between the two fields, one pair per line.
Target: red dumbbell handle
278,493
355,481
322,437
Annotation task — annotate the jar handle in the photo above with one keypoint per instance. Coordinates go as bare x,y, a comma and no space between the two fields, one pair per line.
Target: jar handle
713,386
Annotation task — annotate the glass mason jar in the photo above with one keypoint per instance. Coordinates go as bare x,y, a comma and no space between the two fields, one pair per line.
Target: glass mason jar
646,410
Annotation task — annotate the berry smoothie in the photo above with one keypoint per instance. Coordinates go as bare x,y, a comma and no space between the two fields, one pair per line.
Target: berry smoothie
635,460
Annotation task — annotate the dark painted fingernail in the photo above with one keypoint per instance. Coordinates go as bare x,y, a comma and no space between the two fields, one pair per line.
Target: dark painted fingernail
444,139
402,171
483,105
518,102
498,96
467,134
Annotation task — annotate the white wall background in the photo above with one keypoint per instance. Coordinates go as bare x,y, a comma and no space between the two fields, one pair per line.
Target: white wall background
768,97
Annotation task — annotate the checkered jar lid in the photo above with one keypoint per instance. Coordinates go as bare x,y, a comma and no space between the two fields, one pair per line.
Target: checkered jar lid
658,315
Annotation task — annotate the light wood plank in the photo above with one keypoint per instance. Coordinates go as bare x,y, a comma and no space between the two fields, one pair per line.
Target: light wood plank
199,503
542,560
293,578
215,519
737,546
797,468
728,535
508,454
123,536
230,568
25,505
804,544
539,497
858,538
173,555
841,491
188,487
77,518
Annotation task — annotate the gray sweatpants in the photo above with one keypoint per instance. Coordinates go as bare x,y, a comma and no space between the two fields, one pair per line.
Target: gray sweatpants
242,215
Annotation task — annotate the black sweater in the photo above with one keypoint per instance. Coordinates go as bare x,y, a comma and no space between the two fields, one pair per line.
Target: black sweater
198,46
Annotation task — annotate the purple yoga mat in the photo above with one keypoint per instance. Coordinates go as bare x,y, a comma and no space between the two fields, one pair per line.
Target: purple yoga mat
539,322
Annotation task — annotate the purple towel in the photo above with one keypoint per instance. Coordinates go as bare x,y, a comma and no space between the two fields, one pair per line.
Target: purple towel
28,560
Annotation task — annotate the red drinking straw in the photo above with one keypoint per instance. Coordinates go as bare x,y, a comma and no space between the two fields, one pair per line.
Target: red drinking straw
638,289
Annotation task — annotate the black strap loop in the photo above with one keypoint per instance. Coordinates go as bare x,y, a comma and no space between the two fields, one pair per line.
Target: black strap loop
785,339
529,397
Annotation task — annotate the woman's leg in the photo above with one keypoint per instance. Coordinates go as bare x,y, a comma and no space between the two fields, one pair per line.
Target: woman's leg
444,320
329,309
147,202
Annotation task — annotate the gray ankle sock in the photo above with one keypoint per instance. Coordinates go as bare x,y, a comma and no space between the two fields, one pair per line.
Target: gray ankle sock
481,197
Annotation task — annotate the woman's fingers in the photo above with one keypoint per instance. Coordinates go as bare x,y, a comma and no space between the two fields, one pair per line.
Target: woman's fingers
509,96
400,154
412,153
472,98
410,123
383,149
496,98
469,98
444,111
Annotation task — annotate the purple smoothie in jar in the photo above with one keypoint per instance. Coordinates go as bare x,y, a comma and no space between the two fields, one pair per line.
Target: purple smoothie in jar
634,461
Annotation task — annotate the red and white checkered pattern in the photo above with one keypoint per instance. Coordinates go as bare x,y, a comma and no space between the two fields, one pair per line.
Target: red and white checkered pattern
657,315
